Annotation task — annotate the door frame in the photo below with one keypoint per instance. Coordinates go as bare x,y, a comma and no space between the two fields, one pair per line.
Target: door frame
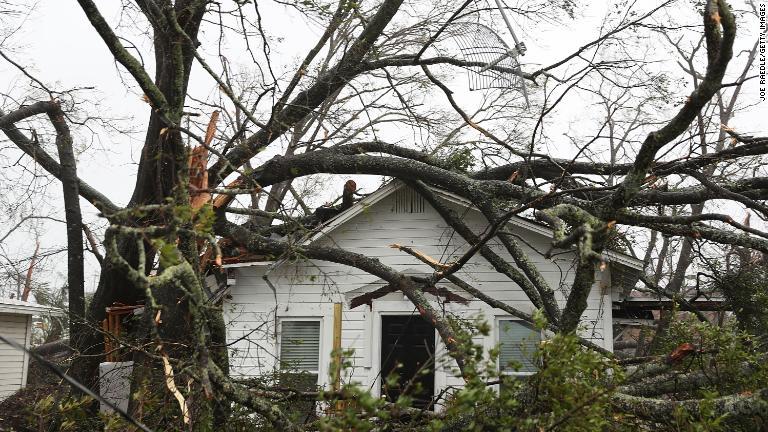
398,307
407,318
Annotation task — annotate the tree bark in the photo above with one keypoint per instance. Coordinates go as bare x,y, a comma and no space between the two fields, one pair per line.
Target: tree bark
162,157
74,219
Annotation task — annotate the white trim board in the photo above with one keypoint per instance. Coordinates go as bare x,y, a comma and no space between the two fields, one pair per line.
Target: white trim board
27,344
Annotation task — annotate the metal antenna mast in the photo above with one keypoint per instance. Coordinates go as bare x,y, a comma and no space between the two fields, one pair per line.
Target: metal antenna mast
491,62
518,50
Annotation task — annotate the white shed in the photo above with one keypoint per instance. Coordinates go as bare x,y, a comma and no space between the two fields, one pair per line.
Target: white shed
16,324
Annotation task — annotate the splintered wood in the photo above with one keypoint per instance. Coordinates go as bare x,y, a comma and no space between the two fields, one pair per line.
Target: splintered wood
437,265
112,326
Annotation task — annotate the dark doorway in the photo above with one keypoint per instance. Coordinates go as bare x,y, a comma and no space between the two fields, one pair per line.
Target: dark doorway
409,341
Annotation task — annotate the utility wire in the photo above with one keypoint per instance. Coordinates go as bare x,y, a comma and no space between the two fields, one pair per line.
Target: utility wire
76,384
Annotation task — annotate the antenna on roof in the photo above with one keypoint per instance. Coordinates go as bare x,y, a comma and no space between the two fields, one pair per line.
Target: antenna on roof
518,50
481,45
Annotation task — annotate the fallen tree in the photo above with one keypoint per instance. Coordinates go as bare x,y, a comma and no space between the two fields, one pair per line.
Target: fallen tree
161,245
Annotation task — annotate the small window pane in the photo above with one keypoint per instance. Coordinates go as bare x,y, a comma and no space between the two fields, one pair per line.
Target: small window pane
517,343
300,345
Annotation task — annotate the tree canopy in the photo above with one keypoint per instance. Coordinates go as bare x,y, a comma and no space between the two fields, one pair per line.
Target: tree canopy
644,137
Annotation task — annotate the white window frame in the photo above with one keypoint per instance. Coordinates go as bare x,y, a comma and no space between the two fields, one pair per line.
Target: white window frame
497,340
278,345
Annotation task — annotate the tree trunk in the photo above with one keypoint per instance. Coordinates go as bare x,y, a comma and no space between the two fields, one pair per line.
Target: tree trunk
74,219
162,159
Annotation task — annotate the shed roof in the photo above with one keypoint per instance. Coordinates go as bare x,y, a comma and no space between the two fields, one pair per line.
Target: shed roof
20,307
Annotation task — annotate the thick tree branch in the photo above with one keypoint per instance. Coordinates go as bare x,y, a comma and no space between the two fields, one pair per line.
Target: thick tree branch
306,101
36,152
131,64
719,53
737,408
74,218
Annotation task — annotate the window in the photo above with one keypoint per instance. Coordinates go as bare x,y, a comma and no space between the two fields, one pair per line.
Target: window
518,341
300,363
300,346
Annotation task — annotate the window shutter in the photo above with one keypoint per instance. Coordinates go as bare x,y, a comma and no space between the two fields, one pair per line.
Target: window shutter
300,345
518,342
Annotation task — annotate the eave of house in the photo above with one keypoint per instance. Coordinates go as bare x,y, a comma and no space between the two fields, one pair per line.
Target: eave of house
653,303
450,292
247,264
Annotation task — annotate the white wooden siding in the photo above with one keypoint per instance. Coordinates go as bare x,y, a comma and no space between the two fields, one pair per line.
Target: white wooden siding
309,288
12,361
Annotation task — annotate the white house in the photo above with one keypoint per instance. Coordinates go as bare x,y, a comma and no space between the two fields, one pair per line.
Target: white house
16,324
281,314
